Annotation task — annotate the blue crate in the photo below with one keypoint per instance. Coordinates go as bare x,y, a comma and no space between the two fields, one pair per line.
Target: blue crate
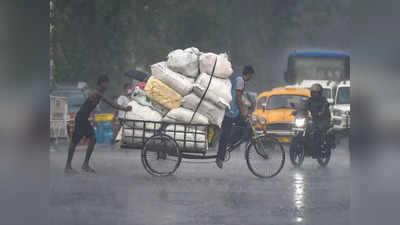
104,131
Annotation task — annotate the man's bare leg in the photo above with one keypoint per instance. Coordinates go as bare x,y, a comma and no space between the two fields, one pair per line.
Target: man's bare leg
89,151
71,150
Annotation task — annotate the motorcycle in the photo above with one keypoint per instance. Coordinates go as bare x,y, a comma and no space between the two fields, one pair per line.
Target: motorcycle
308,141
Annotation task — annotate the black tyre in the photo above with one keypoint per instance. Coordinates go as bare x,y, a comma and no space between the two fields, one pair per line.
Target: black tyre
265,157
161,155
324,157
296,153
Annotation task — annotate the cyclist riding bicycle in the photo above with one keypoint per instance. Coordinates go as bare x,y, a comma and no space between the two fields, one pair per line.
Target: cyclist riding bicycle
236,114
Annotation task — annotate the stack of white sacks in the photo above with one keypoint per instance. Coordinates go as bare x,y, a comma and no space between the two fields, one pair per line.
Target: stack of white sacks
176,87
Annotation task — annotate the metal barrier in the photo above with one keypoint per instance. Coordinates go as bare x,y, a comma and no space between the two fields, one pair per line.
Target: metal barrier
58,117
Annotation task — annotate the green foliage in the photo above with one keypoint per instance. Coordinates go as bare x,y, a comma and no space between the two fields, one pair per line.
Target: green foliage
112,36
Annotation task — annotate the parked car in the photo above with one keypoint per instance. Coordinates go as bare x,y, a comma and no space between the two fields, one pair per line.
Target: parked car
273,112
341,109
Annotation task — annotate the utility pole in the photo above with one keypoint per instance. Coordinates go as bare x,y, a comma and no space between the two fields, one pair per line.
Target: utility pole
51,45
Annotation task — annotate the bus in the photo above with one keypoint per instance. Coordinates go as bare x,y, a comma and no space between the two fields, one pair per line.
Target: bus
317,66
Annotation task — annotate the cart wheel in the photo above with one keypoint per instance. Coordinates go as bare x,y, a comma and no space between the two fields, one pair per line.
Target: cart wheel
265,157
161,155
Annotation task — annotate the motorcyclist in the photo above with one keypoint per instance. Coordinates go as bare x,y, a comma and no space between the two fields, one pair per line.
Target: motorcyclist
321,116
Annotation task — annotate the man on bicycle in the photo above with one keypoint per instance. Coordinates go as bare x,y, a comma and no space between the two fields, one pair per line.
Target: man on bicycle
236,114
320,113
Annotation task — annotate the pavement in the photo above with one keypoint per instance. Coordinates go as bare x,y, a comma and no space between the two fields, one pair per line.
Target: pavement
121,192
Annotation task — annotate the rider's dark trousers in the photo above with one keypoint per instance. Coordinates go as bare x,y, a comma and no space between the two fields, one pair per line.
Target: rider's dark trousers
226,132
320,128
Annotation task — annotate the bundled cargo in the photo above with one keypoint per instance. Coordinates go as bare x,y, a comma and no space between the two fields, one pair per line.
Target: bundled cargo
139,112
159,108
181,84
223,69
134,136
189,139
184,61
140,97
161,93
214,113
219,91
182,115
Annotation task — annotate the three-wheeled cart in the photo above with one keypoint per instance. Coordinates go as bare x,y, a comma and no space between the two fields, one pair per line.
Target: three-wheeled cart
165,144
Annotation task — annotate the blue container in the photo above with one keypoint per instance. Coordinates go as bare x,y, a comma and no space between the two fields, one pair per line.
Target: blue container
104,132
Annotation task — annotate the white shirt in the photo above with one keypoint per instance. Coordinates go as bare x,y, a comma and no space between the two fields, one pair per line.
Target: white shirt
123,101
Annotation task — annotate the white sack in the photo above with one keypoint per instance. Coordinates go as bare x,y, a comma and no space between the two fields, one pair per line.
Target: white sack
184,61
127,137
182,115
140,112
201,143
219,91
159,108
181,84
223,69
214,113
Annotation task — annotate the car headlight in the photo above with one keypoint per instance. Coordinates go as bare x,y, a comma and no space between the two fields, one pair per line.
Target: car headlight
300,122
262,120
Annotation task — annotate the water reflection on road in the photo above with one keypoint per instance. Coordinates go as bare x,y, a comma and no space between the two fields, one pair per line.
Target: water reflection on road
298,195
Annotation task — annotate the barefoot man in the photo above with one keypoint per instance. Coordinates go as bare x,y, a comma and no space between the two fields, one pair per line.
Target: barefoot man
82,124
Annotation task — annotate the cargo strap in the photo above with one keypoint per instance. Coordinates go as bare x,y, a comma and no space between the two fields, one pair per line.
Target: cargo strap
205,92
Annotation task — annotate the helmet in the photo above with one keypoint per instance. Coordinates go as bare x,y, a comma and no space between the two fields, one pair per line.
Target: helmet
316,90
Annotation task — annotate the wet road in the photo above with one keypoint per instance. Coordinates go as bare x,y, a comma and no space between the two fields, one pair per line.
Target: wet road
121,192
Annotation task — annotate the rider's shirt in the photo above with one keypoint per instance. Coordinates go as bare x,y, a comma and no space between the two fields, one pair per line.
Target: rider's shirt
234,111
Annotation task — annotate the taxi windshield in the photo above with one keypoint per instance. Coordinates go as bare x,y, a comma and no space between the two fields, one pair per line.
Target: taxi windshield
285,101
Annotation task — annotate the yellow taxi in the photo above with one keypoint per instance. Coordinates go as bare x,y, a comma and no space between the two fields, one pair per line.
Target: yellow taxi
273,112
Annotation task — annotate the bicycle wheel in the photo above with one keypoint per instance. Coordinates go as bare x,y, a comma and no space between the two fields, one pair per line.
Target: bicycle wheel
296,153
265,157
161,155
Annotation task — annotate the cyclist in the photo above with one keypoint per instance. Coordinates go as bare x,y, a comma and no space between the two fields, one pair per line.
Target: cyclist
236,114
321,116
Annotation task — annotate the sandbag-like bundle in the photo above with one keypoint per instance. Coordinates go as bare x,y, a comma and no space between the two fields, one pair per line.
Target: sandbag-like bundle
182,115
184,61
223,69
140,112
196,141
214,113
159,108
219,91
126,136
161,93
181,84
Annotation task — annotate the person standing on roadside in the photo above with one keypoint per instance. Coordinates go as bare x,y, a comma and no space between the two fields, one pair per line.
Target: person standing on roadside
123,100
83,128
236,114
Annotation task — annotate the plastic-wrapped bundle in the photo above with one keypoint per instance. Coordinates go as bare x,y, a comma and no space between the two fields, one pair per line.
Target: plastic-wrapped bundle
182,115
184,61
214,113
181,84
223,69
161,93
196,140
219,91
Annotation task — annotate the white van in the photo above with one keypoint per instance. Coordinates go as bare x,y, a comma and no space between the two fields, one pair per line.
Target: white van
341,108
